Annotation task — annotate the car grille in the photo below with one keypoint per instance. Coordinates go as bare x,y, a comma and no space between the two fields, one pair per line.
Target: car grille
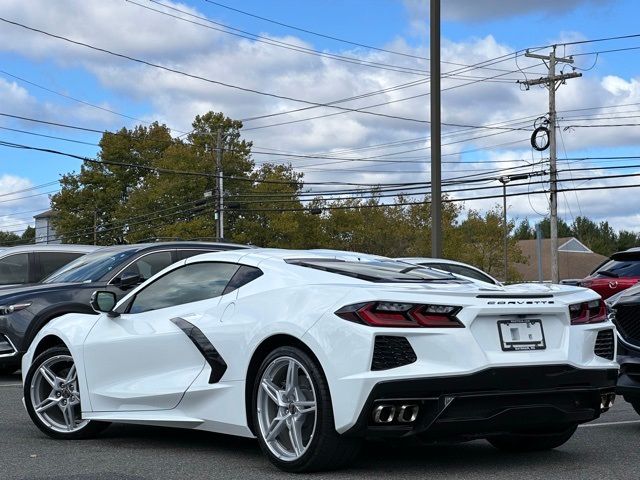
6,348
627,319
392,352
605,346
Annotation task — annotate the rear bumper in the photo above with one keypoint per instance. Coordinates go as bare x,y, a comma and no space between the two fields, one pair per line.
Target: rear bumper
492,401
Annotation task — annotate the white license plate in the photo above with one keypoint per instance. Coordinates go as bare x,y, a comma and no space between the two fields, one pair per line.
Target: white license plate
521,335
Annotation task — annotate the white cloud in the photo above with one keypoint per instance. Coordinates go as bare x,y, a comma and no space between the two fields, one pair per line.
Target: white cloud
176,99
470,10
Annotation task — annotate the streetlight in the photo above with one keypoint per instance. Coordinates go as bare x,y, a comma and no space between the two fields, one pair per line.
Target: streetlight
504,180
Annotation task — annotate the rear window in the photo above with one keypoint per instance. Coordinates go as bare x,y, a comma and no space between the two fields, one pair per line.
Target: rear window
620,268
378,271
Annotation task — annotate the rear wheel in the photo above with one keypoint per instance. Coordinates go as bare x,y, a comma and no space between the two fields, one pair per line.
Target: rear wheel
293,416
52,397
531,442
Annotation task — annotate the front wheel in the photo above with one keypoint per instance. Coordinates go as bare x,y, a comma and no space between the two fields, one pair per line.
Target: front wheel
52,397
531,442
293,415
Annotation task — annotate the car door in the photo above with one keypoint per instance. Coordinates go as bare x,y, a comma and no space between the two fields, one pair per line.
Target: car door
145,359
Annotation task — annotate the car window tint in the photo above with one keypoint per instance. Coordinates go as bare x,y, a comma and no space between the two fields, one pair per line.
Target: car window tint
244,275
148,265
622,268
191,283
14,269
92,267
52,261
470,272
182,254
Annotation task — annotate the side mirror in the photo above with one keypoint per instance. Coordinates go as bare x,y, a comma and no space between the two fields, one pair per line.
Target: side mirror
103,302
128,280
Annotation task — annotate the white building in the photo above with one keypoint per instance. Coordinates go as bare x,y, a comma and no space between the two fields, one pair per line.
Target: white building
45,232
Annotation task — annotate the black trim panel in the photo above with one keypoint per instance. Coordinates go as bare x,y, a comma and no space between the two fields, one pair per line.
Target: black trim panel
202,343
491,401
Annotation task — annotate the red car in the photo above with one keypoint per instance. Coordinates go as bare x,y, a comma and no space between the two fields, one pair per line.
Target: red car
618,273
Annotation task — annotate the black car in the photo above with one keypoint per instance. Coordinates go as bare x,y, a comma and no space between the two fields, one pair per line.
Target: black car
625,313
25,310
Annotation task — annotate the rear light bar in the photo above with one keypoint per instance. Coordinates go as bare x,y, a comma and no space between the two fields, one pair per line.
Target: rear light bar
403,315
594,311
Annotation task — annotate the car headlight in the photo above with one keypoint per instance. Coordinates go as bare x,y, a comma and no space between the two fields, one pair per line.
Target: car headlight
7,309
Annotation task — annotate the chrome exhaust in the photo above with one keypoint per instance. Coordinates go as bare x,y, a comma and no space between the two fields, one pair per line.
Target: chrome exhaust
606,401
384,413
408,413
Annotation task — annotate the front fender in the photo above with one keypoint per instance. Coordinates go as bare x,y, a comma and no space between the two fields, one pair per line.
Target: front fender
45,316
72,329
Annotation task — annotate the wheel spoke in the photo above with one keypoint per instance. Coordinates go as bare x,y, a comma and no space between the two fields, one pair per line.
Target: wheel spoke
272,390
72,376
295,435
67,413
292,377
46,404
49,376
305,406
275,428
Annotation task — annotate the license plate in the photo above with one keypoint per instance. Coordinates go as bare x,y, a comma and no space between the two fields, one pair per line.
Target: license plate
521,335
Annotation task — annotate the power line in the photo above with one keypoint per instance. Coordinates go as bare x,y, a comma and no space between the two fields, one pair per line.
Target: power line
201,78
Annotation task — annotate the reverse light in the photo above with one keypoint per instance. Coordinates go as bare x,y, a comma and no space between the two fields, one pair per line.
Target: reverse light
16,307
403,315
594,311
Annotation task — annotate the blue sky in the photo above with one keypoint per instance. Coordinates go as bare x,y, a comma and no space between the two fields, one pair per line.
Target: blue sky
472,31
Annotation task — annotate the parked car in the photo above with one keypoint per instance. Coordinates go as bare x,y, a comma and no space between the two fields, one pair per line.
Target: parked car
311,353
620,272
625,313
25,310
457,268
26,264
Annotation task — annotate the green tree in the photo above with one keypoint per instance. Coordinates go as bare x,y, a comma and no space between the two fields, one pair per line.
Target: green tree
9,239
28,236
483,239
524,231
564,230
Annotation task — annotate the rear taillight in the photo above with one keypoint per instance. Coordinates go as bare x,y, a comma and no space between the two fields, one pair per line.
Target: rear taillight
400,314
594,311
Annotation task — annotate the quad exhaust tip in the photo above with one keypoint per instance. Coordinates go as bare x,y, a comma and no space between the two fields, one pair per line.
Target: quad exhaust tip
384,414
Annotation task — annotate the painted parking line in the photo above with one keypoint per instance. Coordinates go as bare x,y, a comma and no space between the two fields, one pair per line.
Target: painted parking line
607,424
10,385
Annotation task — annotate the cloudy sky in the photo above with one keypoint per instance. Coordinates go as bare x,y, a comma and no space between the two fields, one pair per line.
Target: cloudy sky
322,51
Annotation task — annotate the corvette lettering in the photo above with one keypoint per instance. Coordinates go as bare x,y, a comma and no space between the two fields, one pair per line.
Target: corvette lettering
521,302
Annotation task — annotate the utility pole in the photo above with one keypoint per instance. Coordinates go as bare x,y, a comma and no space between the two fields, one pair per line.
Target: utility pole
504,180
219,188
553,82
436,174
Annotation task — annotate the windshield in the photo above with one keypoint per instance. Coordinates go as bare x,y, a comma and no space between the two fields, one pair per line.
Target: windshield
620,268
379,271
91,267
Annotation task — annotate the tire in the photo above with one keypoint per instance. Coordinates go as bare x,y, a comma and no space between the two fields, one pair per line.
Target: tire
56,421
319,447
531,442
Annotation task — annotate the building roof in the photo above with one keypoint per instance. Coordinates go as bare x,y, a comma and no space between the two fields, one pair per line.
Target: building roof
45,214
575,260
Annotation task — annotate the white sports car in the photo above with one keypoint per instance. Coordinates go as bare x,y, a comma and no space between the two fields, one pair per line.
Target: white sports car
311,352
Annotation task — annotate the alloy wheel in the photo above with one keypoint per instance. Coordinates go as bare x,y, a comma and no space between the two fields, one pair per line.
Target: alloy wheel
55,395
287,408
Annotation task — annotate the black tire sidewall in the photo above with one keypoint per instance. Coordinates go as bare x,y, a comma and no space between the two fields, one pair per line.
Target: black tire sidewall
324,412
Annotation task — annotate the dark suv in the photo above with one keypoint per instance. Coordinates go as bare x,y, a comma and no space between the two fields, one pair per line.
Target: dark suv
625,313
25,310
620,272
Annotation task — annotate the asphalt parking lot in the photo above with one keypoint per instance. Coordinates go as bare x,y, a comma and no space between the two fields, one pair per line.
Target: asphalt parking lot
607,448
